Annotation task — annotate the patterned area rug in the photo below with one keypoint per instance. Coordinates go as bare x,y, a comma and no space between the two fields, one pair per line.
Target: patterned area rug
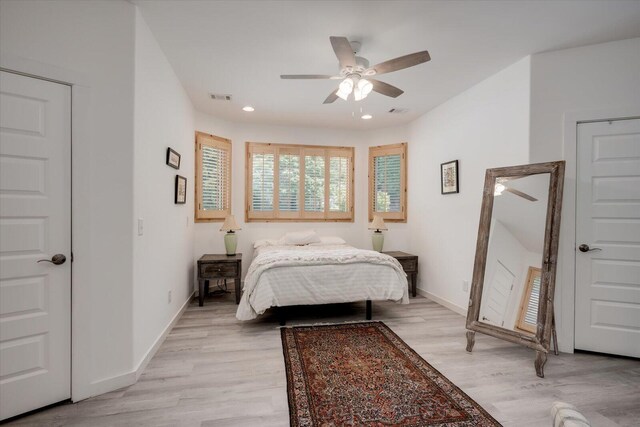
363,374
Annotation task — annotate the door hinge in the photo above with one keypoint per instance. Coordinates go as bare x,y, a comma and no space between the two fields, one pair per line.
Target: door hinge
71,256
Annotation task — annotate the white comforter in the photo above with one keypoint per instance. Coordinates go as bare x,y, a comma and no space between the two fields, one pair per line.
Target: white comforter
306,275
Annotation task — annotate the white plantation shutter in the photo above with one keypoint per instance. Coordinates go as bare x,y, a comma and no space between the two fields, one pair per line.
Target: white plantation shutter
299,182
262,184
215,182
531,315
339,184
289,183
314,183
387,182
528,312
213,177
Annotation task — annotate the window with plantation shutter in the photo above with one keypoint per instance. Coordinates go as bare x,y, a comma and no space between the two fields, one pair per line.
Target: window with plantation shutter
299,183
528,316
213,178
388,182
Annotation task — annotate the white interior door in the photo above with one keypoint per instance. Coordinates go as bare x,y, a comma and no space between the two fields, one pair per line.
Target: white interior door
494,308
607,313
35,224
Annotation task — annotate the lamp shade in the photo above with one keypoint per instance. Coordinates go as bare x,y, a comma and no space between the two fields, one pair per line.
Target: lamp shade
230,224
377,224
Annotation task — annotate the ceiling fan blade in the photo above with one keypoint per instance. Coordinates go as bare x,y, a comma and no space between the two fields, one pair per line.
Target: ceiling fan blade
386,88
307,76
344,52
521,194
402,62
332,97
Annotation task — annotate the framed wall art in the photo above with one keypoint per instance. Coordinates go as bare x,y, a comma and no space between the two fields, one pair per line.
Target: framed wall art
173,158
181,190
449,177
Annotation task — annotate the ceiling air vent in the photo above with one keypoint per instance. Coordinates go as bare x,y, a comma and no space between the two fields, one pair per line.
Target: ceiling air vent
398,110
220,97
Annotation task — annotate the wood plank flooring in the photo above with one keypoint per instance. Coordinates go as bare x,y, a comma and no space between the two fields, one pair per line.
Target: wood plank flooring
213,370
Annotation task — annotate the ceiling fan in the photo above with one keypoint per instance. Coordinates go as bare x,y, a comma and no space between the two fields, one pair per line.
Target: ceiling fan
356,74
501,186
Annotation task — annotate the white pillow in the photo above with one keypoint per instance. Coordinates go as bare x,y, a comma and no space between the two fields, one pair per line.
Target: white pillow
330,240
264,242
299,238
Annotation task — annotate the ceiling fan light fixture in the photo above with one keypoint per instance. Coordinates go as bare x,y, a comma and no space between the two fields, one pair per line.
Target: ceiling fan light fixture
366,117
346,86
357,94
248,108
498,189
365,87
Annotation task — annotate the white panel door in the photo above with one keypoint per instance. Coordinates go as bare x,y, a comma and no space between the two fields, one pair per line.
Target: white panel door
494,308
607,314
35,224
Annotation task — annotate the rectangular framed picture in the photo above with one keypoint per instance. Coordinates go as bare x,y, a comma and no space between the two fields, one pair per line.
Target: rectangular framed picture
449,177
173,158
181,190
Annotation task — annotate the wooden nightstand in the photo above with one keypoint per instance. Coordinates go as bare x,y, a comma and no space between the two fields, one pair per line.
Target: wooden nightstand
409,265
212,267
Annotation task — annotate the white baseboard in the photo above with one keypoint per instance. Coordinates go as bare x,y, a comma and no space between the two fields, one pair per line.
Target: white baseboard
106,385
443,302
156,345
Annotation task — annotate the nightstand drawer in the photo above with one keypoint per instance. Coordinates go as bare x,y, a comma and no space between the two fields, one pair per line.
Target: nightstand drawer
222,269
409,265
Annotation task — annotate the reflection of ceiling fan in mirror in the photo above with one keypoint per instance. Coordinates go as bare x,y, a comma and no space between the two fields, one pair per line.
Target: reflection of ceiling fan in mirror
356,74
501,186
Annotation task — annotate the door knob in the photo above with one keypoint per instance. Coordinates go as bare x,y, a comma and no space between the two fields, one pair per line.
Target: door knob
585,248
57,259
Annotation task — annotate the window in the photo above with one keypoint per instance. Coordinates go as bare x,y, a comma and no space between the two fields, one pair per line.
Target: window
213,178
528,315
299,183
388,182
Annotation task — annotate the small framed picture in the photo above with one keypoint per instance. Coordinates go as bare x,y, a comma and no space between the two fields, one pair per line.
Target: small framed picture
181,190
173,158
449,177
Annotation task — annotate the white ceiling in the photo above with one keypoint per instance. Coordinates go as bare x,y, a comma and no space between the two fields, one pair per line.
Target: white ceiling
242,47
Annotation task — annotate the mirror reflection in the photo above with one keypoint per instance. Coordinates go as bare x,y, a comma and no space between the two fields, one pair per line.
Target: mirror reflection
514,255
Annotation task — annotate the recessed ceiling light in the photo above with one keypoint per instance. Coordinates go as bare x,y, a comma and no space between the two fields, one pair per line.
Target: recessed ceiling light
248,108
366,117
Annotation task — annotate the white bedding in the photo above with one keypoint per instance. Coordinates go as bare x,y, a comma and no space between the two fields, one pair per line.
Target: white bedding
306,275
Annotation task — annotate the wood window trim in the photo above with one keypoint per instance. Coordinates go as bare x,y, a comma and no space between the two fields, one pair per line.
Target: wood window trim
276,149
382,150
524,303
209,140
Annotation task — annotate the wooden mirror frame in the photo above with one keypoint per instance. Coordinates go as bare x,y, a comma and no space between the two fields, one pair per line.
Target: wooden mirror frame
541,340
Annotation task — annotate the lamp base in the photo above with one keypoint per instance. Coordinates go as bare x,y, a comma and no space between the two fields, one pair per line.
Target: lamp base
377,239
230,243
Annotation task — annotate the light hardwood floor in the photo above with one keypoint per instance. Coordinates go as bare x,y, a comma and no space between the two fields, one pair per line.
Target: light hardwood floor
216,371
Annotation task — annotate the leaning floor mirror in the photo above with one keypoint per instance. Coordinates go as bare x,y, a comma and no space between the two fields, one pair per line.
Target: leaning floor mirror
515,266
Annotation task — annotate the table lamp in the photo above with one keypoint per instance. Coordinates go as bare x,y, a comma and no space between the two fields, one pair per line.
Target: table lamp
377,238
230,239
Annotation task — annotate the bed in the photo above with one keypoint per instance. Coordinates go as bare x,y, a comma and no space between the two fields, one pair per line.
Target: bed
284,275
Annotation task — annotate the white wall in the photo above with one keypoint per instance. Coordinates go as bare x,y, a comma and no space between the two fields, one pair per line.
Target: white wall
92,41
163,256
208,238
486,126
587,83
